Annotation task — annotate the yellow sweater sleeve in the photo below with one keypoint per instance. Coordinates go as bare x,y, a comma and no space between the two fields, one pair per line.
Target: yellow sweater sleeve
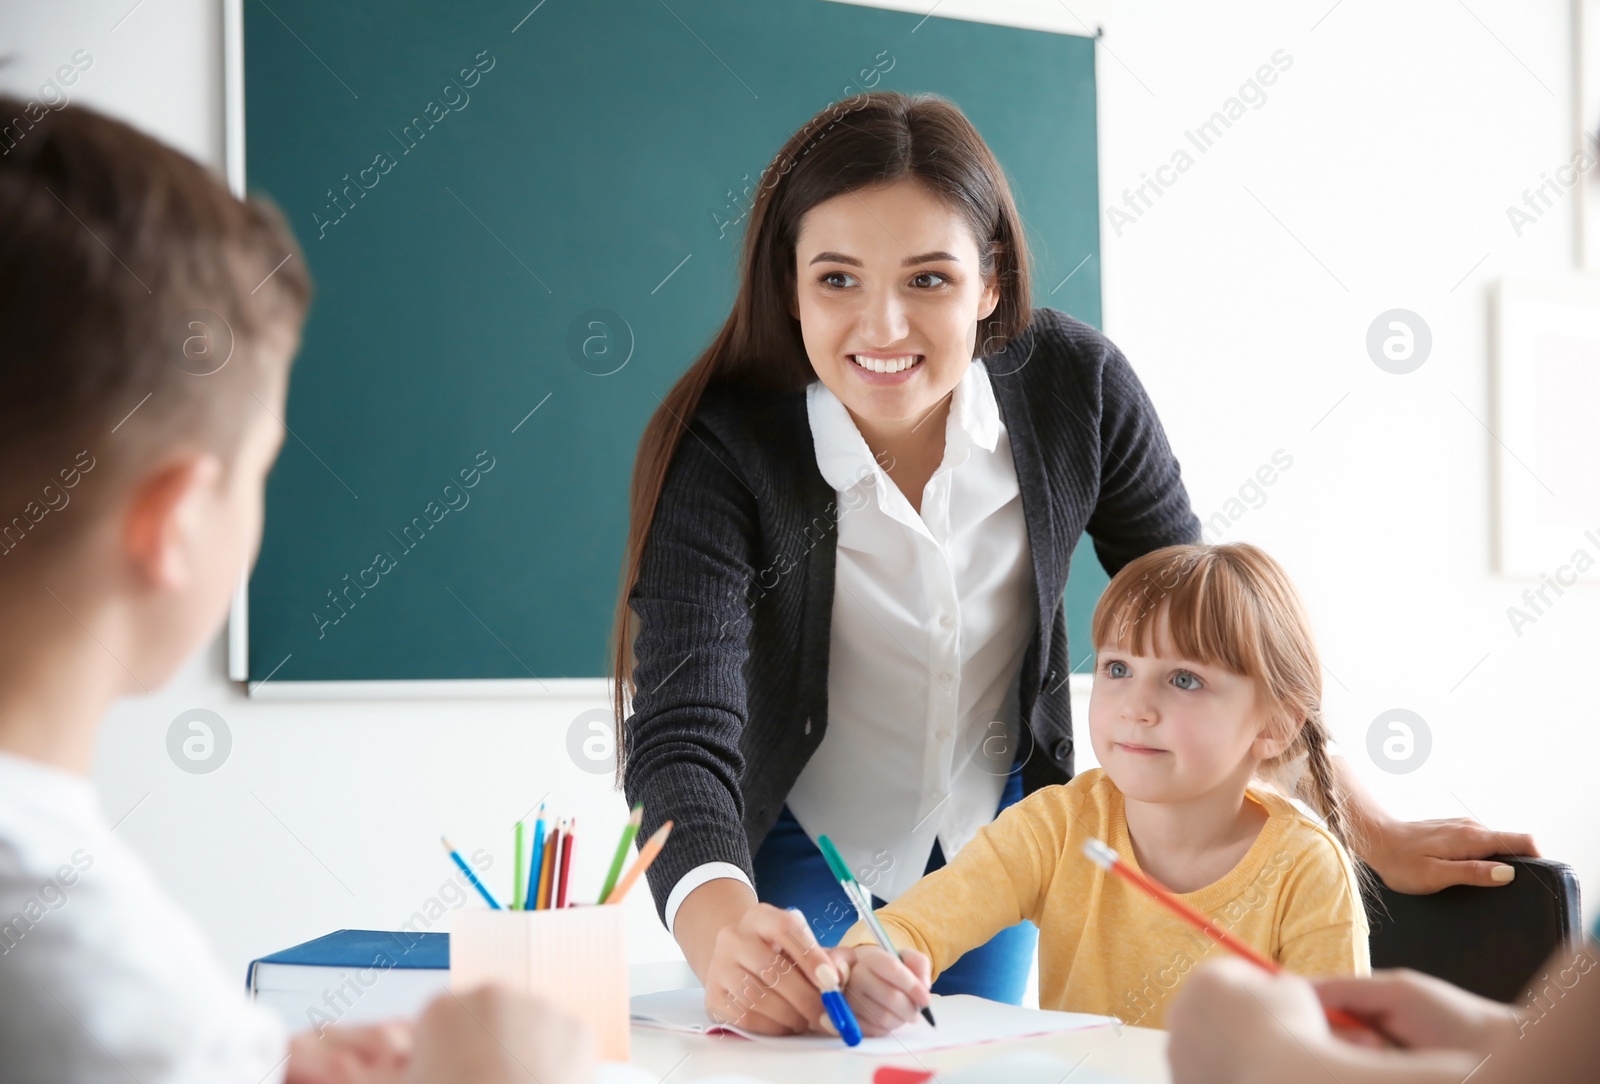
994,882
1324,931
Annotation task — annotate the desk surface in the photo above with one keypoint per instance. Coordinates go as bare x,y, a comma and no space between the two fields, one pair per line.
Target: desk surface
1135,1055
1130,1054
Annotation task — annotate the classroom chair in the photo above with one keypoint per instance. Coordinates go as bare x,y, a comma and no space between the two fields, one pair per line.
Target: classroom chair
1491,941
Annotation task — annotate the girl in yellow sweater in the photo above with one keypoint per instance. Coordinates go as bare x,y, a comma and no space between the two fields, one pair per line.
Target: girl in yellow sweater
1205,714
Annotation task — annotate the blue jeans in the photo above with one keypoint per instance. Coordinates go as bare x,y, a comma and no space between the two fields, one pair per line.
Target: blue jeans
791,872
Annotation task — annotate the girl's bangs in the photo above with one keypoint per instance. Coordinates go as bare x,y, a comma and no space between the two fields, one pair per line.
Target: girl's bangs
1209,618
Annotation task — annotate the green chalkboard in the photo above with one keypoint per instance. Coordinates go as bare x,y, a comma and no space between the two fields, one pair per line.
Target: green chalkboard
477,184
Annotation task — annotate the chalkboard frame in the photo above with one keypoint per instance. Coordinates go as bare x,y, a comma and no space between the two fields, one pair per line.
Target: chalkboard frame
238,633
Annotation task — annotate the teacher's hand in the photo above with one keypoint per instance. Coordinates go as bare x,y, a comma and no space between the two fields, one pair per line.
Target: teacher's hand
765,971
1425,856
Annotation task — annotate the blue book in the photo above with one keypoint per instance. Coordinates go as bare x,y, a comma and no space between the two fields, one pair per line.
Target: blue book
352,977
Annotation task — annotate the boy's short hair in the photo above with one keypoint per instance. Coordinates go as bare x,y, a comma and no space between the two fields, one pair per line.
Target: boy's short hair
142,307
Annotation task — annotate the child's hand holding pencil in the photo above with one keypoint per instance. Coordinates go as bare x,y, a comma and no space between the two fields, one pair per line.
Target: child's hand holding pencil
885,990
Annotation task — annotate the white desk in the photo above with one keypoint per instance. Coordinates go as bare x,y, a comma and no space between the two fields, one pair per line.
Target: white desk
1136,1055
1131,1054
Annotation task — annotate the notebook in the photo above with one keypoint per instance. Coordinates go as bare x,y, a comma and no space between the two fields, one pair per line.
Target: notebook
352,977
964,1020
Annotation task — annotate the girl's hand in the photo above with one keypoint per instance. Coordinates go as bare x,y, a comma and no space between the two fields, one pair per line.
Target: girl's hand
885,992
1420,1012
765,973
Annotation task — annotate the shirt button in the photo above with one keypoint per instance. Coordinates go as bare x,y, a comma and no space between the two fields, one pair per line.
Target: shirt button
943,734
947,621
945,677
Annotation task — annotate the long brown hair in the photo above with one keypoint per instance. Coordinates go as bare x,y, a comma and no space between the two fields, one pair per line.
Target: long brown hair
859,142
1233,606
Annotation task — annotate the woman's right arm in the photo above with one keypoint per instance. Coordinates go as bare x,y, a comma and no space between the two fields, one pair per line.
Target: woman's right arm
682,756
761,966
705,913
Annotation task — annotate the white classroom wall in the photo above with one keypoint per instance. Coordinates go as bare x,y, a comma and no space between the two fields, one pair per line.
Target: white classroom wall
1375,175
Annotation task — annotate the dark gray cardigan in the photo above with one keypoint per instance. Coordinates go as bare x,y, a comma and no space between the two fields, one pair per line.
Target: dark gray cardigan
735,594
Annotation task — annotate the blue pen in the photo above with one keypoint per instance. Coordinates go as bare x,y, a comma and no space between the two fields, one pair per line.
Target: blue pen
538,860
473,877
844,1021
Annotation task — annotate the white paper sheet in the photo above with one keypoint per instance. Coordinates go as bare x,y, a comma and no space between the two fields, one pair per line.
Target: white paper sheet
964,1020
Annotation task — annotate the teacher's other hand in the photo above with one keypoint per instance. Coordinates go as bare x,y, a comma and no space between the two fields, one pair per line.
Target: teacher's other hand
765,973
1425,856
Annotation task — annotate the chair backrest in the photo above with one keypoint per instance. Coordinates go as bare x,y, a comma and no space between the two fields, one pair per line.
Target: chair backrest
1490,941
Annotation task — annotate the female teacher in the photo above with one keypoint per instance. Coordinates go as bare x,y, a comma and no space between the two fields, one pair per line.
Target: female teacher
841,611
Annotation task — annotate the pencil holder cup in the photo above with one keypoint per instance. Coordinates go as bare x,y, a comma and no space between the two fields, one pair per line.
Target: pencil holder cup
573,957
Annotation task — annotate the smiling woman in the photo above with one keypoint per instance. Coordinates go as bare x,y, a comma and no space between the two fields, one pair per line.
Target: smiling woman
893,335
896,685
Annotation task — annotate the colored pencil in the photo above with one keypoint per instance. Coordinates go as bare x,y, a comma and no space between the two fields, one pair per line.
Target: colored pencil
566,863
647,855
455,856
516,869
555,863
629,832
547,873
535,862
1106,858
862,903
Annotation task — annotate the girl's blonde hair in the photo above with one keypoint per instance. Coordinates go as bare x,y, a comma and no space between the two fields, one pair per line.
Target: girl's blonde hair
1233,606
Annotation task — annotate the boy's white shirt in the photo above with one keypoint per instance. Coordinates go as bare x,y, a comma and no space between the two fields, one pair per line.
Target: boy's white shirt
102,976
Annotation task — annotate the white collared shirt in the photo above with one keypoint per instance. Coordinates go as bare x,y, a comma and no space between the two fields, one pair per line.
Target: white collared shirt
932,613
102,976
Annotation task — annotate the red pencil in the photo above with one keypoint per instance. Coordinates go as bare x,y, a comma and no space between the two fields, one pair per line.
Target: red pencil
566,861
1106,858
555,861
